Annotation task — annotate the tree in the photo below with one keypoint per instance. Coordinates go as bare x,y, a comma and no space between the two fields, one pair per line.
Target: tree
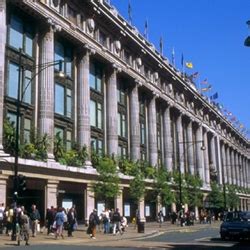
216,196
162,188
232,198
194,184
107,185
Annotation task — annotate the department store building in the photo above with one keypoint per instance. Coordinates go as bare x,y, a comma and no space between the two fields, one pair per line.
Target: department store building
118,95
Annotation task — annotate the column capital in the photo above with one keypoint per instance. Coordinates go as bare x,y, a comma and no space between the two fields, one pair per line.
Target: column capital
116,67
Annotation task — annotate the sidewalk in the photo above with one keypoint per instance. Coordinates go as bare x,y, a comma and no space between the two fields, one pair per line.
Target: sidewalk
81,238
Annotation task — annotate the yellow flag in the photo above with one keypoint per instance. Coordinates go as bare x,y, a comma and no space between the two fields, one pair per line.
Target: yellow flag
189,65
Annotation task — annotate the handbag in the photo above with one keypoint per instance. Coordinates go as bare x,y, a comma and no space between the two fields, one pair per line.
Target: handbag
54,225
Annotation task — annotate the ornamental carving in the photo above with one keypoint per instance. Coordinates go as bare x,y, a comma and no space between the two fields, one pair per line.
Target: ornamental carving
138,62
117,46
91,25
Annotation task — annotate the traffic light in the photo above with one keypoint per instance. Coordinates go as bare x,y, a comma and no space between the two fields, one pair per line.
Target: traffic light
21,182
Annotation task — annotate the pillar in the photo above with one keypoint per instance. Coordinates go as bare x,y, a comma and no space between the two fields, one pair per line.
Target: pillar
46,89
119,201
233,167
89,201
3,189
180,143
199,154
134,124
112,136
237,166
190,147
229,166
51,192
3,32
219,162
142,210
83,100
168,150
173,207
224,171
206,159
152,133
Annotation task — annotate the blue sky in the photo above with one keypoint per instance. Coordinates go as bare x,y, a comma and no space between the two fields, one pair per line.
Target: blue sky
210,34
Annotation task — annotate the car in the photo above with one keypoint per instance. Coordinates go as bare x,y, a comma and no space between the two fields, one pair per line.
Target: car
235,225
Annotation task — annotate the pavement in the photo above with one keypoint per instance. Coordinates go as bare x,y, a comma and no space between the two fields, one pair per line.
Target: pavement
130,237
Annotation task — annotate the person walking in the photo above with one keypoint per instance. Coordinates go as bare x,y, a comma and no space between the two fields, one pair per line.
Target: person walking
71,216
35,218
50,218
2,208
93,222
23,221
160,218
116,220
106,221
59,218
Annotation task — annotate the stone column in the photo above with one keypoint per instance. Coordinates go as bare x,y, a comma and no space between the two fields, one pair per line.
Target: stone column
229,166
199,154
46,89
3,32
237,166
152,133
119,201
168,149
173,207
3,188
190,147
233,168
180,143
241,170
134,124
112,136
83,100
206,159
89,202
245,172
219,162
51,192
224,172
213,160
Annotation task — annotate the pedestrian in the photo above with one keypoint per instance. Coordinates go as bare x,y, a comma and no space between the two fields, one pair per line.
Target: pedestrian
59,219
93,222
71,217
116,220
106,221
50,218
35,218
160,218
23,221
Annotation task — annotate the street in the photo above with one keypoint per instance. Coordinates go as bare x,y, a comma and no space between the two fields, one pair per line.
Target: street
167,237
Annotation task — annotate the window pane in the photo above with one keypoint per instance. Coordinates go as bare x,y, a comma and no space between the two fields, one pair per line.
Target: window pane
119,124
29,41
59,99
26,92
69,103
93,144
100,147
13,80
99,80
16,32
59,131
99,115
124,126
59,54
12,118
92,113
92,76
69,140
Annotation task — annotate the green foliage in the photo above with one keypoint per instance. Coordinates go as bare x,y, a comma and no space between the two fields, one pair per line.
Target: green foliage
162,188
75,157
232,198
216,196
107,185
9,136
194,184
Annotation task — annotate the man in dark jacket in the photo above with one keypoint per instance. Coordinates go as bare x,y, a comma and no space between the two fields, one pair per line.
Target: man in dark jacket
50,217
35,218
71,216
93,221
116,220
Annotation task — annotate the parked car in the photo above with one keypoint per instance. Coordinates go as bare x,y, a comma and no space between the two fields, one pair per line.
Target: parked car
235,225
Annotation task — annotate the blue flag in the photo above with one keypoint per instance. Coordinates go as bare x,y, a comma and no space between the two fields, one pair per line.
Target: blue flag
214,96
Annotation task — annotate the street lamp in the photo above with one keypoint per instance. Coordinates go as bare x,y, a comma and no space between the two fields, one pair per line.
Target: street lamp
203,148
20,96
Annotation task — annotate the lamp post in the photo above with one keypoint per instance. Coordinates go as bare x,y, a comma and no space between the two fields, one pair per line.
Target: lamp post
20,95
179,169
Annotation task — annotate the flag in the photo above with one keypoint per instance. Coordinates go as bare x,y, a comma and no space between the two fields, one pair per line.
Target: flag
161,45
189,65
206,89
233,119
173,57
241,126
146,29
194,75
214,96
129,13
182,60
204,81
